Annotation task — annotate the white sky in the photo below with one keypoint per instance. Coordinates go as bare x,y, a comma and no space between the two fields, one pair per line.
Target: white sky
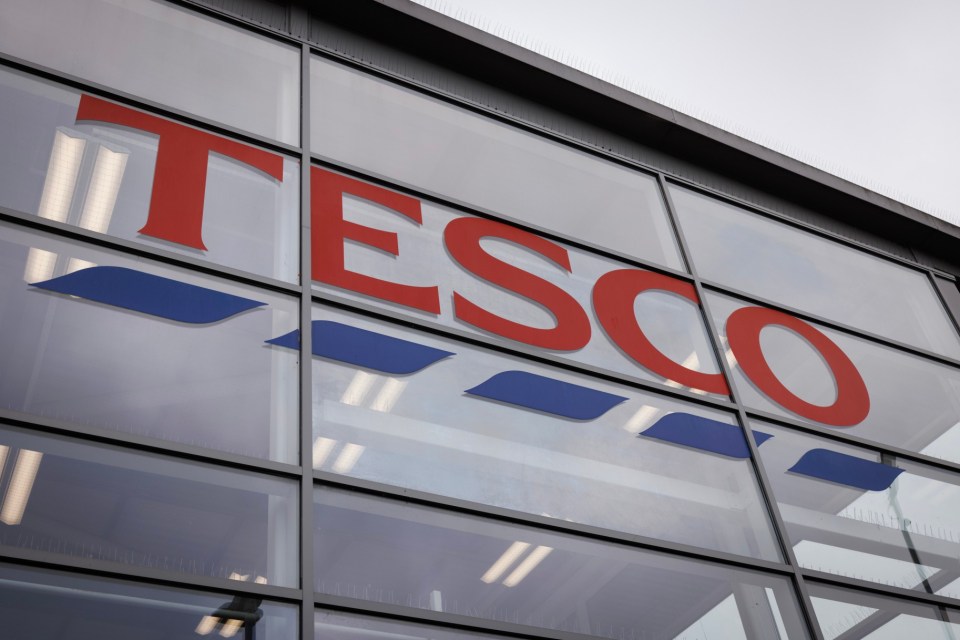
866,89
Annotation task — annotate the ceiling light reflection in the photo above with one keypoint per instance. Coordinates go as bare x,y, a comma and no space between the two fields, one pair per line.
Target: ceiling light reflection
348,457
358,388
529,564
207,624
504,561
21,484
389,394
62,171
103,189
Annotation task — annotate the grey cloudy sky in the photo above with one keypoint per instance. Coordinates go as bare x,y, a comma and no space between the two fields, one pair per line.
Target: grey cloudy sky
866,89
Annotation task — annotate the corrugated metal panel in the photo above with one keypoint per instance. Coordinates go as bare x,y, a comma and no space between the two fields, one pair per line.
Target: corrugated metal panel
269,13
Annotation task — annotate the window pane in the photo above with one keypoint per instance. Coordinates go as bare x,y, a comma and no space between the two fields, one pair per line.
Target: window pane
94,338
428,144
672,323
862,515
850,614
333,625
105,178
566,446
398,553
783,264
84,501
163,53
914,403
49,605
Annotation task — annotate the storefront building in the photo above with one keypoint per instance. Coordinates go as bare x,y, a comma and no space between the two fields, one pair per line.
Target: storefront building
347,321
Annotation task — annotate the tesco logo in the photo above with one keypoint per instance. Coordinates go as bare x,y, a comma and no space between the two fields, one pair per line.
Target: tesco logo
176,215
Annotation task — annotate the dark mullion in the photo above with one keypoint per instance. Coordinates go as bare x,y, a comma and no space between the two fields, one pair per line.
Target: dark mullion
307,580
442,619
134,249
148,106
714,287
857,441
876,588
462,207
518,350
800,224
147,444
766,488
102,568
896,345
545,523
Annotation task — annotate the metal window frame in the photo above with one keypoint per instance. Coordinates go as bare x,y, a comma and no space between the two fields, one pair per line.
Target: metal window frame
309,479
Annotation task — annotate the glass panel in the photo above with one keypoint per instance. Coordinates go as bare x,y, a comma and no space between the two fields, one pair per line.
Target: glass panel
163,53
398,553
428,144
783,264
105,178
913,403
331,625
64,497
94,338
862,515
851,615
672,323
565,446
50,605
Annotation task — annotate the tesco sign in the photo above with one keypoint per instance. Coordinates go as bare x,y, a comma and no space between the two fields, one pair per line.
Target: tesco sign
176,215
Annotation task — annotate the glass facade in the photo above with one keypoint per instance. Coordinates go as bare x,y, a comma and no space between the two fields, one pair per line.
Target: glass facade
420,371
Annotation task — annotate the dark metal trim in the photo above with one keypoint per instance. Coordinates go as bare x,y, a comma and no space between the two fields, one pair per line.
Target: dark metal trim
306,364
724,290
115,570
462,207
857,441
136,249
531,520
876,588
798,224
145,444
440,619
766,488
474,339
148,106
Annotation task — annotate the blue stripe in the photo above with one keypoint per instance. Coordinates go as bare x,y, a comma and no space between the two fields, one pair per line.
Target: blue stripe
539,393
704,434
851,471
363,348
149,294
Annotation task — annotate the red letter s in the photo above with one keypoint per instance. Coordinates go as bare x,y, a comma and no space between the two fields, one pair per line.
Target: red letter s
462,237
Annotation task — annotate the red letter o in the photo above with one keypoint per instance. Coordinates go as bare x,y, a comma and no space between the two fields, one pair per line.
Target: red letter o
613,296
743,333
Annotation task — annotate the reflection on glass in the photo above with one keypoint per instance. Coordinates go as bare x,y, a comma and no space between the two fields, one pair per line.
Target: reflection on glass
100,177
849,615
69,498
863,515
334,625
428,144
914,403
630,461
93,355
383,551
164,53
49,605
783,264
673,324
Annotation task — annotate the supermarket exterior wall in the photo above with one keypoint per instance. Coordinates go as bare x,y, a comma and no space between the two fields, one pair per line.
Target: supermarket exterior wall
580,366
